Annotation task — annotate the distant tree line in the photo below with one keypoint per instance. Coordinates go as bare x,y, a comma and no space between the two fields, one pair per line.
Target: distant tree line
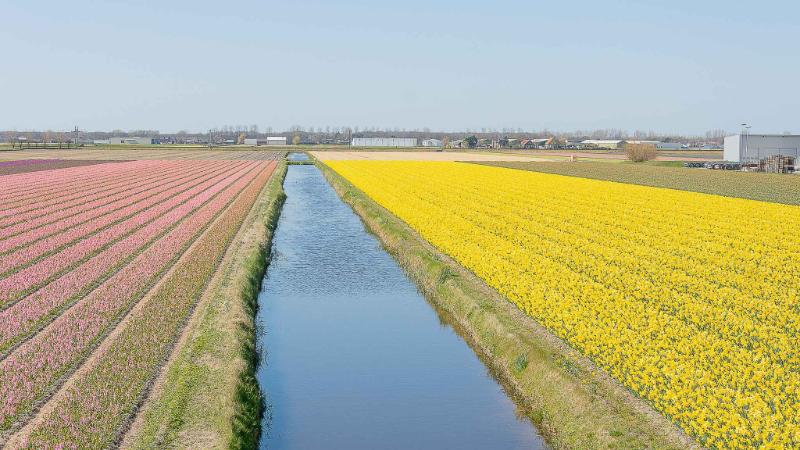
341,134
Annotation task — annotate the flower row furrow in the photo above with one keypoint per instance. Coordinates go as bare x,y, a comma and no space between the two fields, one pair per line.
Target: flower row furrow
27,247
22,281
651,266
24,317
12,203
28,372
41,211
91,412
19,184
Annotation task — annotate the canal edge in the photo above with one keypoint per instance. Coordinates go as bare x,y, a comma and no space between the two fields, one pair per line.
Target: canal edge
573,403
179,412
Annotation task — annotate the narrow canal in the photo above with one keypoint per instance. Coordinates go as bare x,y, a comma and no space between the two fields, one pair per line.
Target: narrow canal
355,358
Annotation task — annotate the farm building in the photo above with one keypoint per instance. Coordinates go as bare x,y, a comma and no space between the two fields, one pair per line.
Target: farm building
457,144
432,143
660,145
612,144
486,143
273,140
573,144
133,140
535,143
384,142
754,147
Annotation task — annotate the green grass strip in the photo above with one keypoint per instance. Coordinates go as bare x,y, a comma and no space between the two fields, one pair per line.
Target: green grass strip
573,404
94,410
209,395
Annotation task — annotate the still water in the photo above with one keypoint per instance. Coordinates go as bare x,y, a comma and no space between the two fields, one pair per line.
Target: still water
355,358
297,156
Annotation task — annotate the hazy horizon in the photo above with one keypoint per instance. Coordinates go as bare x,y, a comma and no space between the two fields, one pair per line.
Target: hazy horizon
681,68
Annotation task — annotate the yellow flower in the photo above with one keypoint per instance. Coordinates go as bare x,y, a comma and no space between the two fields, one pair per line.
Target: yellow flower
691,300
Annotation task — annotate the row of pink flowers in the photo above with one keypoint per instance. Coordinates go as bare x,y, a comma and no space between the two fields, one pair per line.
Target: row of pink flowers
47,215
29,372
114,193
27,315
23,280
13,197
18,183
76,195
29,246
92,410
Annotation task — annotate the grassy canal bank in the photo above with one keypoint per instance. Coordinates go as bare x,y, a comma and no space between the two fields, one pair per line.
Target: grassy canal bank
207,395
574,404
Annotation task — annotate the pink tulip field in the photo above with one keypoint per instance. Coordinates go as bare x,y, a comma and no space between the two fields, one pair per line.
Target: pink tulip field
100,268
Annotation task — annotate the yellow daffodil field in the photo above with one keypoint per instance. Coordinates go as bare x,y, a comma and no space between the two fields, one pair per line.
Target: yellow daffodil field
692,301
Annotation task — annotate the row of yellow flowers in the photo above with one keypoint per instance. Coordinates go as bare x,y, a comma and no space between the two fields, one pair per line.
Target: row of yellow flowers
690,300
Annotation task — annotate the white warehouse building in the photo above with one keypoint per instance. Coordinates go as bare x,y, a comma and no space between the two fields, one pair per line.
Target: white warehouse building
384,142
754,147
132,140
273,140
270,140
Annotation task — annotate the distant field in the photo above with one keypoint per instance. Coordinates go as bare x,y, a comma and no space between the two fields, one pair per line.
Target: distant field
689,300
421,156
141,153
35,165
618,155
754,186
100,268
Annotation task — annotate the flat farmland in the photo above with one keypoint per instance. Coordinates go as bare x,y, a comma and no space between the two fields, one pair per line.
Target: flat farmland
421,156
35,165
769,187
138,153
618,155
100,268
689,300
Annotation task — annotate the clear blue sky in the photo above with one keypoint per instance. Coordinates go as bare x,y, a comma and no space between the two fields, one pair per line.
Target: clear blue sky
669,66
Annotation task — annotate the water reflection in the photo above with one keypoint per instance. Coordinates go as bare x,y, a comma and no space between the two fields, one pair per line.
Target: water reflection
355,357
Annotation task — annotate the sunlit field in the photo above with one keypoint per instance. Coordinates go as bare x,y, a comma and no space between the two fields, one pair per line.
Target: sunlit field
100,268
690,300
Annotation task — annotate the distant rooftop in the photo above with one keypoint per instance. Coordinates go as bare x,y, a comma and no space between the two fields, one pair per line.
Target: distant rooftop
769,135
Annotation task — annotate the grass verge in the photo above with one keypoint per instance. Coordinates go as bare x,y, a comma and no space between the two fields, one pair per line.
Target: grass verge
768,187
207,396
572,403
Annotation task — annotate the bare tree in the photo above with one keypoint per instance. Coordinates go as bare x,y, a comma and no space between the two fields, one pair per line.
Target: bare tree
11,137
